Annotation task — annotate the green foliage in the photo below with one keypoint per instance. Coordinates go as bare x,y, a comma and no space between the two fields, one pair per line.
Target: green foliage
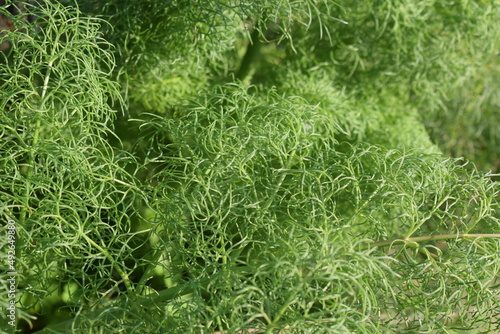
61,182
266,166
237,162
439,57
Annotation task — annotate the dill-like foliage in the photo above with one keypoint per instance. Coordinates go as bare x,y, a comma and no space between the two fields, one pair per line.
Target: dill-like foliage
232,167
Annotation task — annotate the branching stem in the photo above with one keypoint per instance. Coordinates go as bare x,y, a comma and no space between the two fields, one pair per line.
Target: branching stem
119,270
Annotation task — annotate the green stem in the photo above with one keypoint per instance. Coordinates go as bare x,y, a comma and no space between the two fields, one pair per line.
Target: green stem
123,275
29,173
416,227
23,216
282,310
250,57
289,300
147,273
280,181
36,134
391,242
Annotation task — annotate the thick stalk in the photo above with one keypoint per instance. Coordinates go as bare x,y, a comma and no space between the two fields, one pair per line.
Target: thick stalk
251,55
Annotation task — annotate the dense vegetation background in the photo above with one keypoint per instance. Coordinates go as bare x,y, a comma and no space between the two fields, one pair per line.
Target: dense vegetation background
268,166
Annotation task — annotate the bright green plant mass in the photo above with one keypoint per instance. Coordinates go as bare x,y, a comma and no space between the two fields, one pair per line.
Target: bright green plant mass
266,167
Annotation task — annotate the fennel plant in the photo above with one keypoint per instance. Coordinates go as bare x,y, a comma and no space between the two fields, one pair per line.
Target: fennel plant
232,167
